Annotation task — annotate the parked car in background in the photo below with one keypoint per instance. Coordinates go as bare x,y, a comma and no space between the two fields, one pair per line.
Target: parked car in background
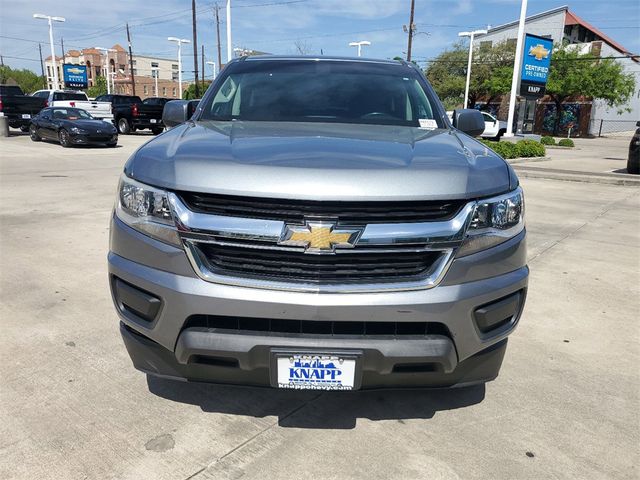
633,162
493,128
72,126
76,99
17,107
131,113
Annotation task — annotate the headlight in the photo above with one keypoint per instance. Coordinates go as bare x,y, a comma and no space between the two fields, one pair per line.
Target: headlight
77,131
495,220
147,210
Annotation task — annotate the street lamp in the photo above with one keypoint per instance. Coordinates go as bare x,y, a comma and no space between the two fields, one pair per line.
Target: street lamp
359,45
40,16
214,68
105,68
470,35
155,72
179,41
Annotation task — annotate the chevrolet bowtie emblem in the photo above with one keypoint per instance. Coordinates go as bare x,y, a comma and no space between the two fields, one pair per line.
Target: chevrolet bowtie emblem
318,237
539,51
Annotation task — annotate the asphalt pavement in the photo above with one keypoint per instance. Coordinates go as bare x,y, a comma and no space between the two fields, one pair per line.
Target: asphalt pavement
566,404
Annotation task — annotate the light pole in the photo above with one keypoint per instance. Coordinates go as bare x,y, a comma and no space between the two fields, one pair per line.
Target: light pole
155,72
214,68
516,68
107,73
360,44
470,35
179,41
229,49
56,84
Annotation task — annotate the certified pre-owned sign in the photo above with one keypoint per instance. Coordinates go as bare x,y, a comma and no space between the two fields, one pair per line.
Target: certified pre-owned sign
75,76
536,60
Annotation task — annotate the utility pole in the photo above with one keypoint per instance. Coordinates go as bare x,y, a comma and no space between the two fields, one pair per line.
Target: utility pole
195,47
62,44
218,36
133,81
410,30
203,89
44,79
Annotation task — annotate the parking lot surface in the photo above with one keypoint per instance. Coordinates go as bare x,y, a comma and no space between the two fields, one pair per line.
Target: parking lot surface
71,406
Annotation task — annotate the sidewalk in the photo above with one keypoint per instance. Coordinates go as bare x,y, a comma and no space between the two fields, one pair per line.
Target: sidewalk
597,160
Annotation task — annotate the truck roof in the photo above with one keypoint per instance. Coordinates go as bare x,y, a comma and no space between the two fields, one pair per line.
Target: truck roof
319,58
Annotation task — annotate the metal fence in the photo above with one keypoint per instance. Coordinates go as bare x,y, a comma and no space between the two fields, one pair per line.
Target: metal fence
611,128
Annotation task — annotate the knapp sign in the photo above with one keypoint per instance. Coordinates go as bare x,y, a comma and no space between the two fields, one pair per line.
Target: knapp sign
75,76
536,60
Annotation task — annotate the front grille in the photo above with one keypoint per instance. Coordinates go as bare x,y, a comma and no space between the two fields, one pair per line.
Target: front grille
276,326
296,211
321,269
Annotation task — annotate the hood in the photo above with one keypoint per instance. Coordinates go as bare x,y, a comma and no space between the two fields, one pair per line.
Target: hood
320,161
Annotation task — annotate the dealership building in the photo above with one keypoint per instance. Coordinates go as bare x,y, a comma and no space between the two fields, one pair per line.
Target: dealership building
116,63
585,116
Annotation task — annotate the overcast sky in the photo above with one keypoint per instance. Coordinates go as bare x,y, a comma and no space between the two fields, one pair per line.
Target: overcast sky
275,26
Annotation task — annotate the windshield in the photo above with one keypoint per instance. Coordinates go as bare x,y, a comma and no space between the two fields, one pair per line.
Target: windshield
321,91
71,114
65,96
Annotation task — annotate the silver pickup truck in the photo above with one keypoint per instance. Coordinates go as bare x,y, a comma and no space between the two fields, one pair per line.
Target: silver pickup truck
318,223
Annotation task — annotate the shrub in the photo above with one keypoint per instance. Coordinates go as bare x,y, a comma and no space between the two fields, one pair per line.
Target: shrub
530,148
504,149
566,142
548,141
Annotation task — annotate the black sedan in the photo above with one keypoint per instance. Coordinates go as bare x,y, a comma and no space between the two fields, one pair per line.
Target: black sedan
633,162
72,126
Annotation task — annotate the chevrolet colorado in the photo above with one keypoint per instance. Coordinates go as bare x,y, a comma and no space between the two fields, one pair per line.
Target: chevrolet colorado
318,223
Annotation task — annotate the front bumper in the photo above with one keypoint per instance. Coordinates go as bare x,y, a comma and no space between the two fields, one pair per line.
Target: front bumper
146,123
80,139
461,353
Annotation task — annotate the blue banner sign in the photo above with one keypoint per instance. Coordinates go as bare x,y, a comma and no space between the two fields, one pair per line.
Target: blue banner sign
536,59
75,76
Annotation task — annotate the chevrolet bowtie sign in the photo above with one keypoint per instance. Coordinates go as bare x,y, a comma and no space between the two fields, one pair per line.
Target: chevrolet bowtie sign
535,65
75,76
319,237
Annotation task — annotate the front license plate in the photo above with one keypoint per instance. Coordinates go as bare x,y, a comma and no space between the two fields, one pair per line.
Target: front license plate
316,372
26,115
153,120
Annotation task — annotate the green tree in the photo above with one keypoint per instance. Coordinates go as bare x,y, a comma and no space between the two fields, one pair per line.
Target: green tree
99,87
491,73
27,80
190,92
575,74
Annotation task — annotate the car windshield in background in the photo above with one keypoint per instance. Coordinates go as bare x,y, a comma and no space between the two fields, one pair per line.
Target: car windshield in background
66,96
71,114
321,91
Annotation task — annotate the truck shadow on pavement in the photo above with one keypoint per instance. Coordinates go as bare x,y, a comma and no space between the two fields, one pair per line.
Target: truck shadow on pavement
317,410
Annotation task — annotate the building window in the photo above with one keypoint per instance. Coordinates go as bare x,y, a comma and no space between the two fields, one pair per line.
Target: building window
154,64
174,66
144,89
174,91
174,76
164,91
135,71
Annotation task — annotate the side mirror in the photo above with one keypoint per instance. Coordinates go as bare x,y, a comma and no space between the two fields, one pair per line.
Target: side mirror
638,124
176,112
469,121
